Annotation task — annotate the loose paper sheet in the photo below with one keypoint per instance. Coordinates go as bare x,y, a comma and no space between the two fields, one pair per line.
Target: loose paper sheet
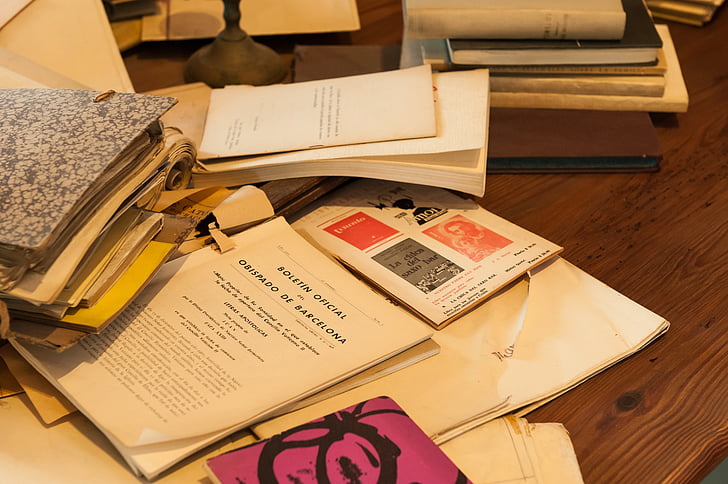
510,450
9,8
47,401
246,120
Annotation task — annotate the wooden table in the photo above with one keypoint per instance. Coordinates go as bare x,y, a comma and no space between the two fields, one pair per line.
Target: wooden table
659,238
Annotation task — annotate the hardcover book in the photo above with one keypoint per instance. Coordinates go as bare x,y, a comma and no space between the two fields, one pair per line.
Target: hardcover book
373,441
639,44
515,19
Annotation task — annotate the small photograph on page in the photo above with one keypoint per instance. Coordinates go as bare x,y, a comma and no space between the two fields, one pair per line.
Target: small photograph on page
467,237
419,265
361,230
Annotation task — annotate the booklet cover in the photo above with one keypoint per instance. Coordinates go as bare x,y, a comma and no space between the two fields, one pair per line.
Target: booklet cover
430,249
218,341
373,441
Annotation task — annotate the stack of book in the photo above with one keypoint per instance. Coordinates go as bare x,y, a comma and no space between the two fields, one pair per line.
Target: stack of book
605,54
691,12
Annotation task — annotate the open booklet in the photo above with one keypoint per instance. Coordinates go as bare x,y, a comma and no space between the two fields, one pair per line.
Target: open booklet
454,158
435,252
217,342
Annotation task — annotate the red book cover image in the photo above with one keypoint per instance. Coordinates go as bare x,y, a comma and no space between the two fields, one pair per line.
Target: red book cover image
361,230
373,442
468,237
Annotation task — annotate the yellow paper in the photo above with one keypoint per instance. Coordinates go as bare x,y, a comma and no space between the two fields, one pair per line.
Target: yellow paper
95,318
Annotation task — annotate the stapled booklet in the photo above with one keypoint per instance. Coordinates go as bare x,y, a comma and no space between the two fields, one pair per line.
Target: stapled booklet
435,252
218,341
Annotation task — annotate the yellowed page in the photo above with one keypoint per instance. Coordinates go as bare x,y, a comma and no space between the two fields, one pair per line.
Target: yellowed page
481,373
71,37
391,105
10,8
218,341
510,450
48,402
192,19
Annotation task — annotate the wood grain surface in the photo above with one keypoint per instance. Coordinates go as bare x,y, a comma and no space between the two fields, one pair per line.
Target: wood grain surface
659,238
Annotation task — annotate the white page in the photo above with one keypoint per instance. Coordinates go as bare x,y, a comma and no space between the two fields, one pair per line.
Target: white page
247,120
462,124
217,341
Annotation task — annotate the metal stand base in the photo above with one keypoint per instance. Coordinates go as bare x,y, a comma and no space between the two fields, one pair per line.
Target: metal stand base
234,58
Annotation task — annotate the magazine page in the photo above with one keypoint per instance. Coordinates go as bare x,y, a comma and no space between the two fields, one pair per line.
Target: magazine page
432,250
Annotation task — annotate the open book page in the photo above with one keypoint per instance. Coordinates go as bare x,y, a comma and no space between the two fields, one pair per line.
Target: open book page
247,120
510,450
508,352
435,252
218,341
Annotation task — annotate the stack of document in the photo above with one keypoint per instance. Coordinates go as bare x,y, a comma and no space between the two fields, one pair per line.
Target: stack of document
80,171
273,333
406,125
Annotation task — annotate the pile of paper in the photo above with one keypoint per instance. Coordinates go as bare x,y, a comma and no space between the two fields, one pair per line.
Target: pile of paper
407,125
80,171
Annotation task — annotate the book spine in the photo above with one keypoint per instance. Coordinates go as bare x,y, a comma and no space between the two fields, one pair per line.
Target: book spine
653,86
513,24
